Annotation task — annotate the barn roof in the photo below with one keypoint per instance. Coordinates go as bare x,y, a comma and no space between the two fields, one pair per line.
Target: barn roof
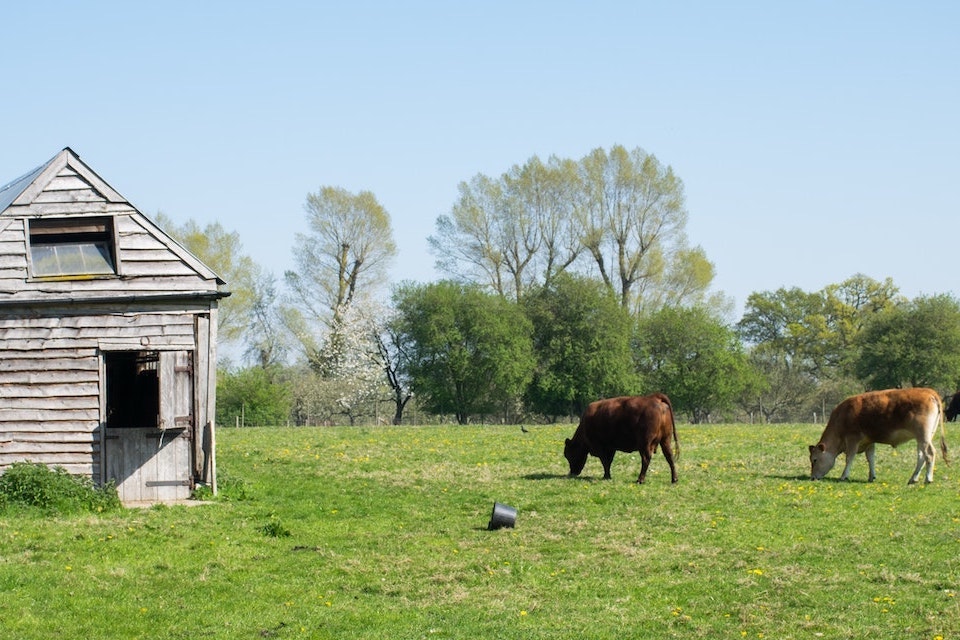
12,190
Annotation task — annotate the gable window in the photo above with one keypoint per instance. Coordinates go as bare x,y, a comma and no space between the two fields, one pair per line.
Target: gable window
72,247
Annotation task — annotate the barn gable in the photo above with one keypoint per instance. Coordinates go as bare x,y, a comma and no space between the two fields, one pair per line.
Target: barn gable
107,337
64,198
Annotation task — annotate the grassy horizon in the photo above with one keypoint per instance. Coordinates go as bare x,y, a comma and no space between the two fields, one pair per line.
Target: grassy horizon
380,532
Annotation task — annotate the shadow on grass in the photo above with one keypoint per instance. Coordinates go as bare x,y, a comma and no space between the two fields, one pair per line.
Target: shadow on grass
559,476
805,477
799,477
544,476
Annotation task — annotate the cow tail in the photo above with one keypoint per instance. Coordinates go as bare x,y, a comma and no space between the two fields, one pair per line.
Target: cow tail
673,424
676,442
943,432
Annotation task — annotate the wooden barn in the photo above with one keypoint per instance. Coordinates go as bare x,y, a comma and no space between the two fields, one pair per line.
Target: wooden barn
107,338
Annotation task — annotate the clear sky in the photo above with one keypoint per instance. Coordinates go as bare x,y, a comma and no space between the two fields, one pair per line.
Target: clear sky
815,139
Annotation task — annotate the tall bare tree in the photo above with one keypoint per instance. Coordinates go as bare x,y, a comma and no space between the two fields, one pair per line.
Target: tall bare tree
347,250
634,216
343,257
510,232
619,215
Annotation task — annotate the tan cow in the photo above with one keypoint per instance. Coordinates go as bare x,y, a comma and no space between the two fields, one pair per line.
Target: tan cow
889,417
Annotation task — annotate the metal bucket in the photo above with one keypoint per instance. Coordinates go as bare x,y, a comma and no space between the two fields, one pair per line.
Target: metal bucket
502,516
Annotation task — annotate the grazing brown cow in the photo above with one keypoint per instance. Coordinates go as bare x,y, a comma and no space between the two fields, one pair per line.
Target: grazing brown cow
629,423
889,417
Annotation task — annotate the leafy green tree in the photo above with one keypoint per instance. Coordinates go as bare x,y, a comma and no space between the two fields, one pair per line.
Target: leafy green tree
784,323
582,341
470,352
222,251
253,396
912,345
847,307
695,359
805,343
815,332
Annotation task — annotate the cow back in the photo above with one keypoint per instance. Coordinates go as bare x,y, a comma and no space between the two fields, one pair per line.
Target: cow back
626,423
884,416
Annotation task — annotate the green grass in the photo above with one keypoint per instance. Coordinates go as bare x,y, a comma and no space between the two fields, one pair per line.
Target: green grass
381,533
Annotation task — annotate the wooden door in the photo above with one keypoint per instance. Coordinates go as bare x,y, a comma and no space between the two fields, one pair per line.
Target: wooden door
153,462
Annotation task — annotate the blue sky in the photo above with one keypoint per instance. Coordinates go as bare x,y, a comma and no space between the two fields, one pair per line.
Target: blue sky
816,140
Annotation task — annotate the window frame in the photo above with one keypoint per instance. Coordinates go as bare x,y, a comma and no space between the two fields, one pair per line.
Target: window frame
84,234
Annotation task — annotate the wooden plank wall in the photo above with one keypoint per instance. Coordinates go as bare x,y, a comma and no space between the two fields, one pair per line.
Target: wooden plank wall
146,266
50,380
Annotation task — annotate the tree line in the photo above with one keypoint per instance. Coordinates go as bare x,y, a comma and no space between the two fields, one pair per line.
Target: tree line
566,281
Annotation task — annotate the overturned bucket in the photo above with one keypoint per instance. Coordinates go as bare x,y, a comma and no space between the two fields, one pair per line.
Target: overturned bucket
502,516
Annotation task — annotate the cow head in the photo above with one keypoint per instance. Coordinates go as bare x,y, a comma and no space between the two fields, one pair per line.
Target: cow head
576,455
821,461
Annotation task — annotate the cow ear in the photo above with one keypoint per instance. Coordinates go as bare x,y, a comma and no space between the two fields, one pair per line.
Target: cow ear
812,448
567,441
822,447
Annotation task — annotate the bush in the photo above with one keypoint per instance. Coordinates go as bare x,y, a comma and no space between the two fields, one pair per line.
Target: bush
53,490
231,487
274,528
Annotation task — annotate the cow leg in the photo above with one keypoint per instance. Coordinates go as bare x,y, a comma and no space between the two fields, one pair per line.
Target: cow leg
645,457
926,455
931,459
668,454
871,454
849,465
606,459
851,444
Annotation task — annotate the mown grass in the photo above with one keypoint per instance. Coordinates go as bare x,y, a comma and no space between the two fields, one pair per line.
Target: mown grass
381,533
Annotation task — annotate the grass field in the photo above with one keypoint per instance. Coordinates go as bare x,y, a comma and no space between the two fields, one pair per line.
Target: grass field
381,533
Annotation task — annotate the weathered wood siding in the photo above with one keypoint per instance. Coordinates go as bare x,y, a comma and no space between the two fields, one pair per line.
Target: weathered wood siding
51,379
146,266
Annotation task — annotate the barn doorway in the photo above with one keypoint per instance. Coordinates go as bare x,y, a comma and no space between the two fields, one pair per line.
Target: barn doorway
148,399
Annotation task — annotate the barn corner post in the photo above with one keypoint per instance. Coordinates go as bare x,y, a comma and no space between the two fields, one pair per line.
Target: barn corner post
209,428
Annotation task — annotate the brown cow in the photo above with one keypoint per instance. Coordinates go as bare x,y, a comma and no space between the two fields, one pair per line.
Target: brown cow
628,423
889,417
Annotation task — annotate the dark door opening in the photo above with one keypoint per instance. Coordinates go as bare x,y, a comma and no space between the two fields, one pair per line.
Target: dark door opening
133,389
